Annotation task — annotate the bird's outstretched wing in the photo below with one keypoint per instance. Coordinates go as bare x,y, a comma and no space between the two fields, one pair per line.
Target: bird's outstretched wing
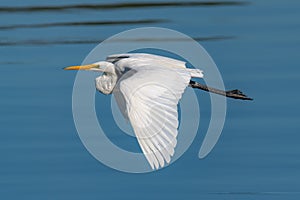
151,94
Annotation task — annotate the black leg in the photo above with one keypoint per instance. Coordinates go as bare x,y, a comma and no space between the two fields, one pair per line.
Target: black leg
236,94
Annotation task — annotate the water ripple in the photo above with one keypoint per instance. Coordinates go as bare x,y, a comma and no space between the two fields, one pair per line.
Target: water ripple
95,41
58,8
87,23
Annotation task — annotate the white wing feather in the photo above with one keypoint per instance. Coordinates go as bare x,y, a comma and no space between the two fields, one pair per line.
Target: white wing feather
151,98
151,95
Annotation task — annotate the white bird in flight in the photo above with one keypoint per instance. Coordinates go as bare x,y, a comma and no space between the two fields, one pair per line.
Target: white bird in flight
147,89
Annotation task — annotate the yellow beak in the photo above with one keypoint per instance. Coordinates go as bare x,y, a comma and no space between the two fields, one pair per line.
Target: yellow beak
82,67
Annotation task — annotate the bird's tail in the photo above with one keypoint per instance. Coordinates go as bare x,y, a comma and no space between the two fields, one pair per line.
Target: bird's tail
196,73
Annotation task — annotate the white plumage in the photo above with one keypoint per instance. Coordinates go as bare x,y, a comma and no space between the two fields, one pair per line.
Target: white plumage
147,89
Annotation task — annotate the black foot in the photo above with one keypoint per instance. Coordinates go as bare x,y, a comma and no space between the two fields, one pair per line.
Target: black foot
237,94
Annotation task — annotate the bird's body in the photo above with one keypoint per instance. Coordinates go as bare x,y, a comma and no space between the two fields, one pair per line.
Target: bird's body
147,89
118,65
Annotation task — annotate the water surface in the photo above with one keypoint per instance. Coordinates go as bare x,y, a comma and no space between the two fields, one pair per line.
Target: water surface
255,45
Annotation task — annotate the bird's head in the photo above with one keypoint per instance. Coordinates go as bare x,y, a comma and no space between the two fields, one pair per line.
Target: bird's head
104,83
101,66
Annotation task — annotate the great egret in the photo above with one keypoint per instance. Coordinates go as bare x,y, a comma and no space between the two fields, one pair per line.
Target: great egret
147,89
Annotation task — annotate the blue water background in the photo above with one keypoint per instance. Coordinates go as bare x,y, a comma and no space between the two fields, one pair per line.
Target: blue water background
256,46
